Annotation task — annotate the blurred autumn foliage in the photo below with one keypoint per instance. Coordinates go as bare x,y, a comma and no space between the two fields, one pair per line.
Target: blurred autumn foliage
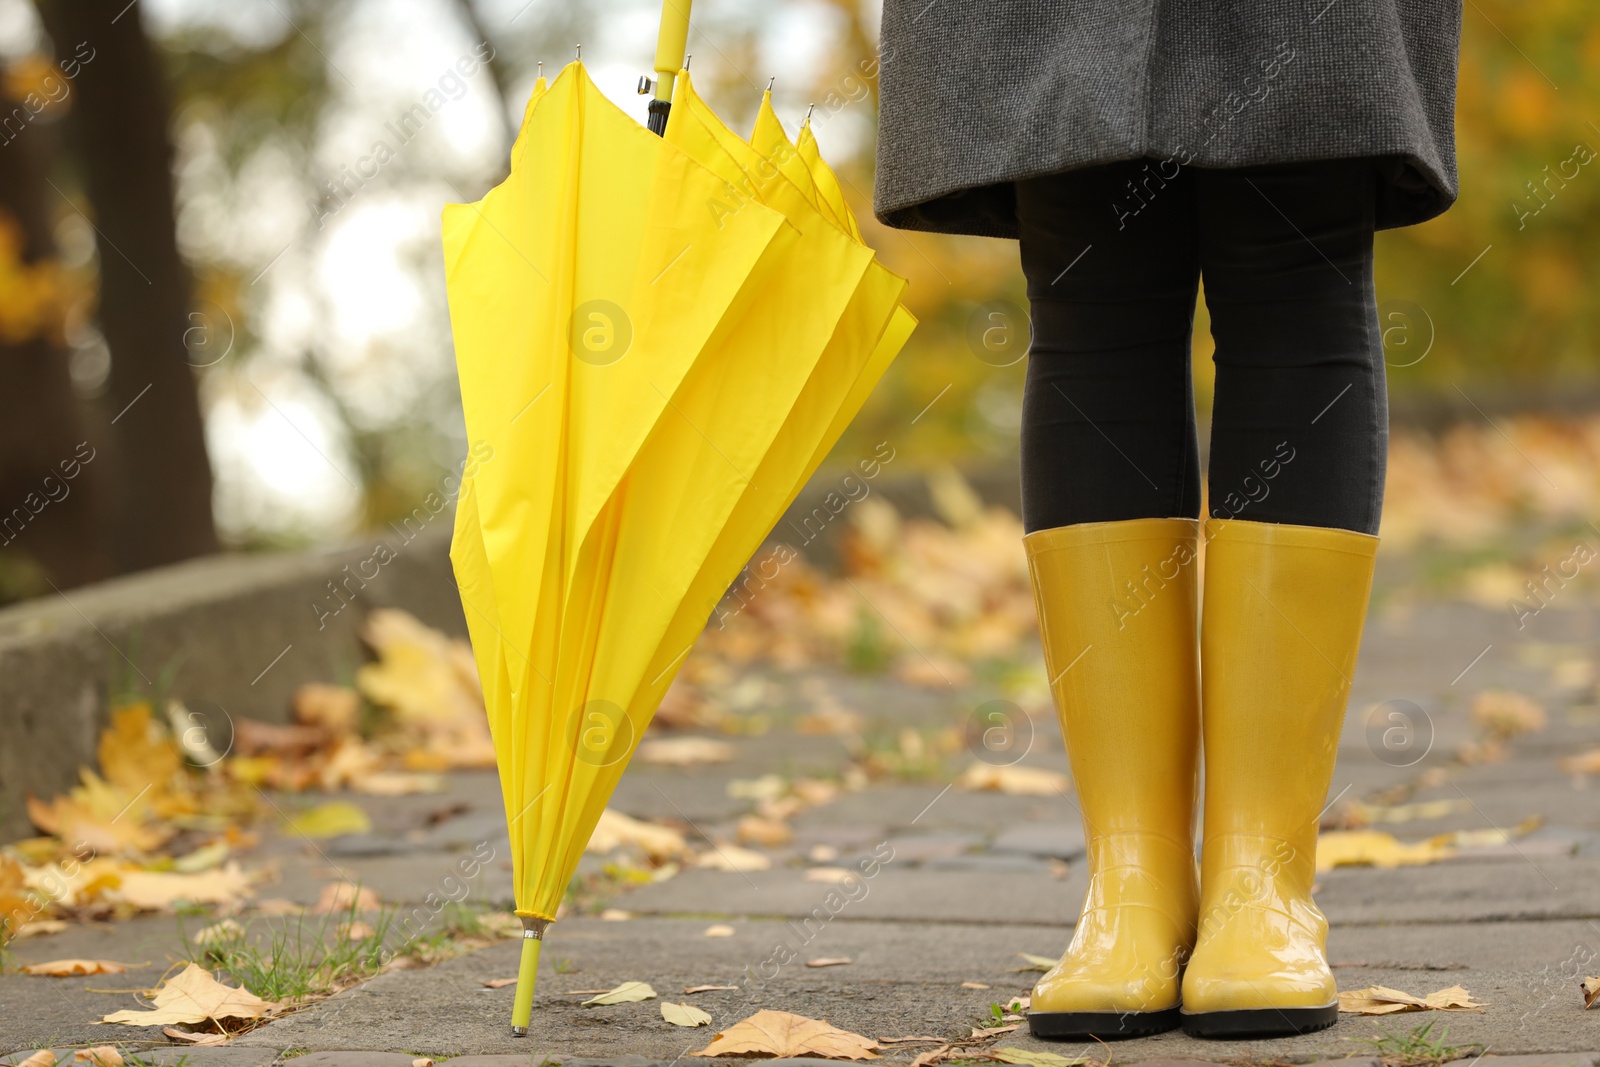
1491,306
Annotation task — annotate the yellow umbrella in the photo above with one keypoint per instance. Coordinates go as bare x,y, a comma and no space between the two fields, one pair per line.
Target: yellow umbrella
658,341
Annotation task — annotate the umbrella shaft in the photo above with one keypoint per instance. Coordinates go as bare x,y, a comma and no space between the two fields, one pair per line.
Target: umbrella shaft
522,1010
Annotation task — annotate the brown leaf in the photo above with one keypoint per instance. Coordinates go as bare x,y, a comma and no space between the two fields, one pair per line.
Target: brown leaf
770,833
781,1033
1014,780
43,1058
499,983
828,961
345,896
161,890
334,709
1591,991
932,1056
189,1037
68,968
1381,1000
685,751
99,1056
990,1031
193,996
973,985
706,988
1583,763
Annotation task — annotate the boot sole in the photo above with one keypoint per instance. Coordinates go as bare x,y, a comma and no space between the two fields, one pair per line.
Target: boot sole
1260,1022
1062,1024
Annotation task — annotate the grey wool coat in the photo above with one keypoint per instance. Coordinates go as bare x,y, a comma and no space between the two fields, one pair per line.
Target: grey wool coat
976,94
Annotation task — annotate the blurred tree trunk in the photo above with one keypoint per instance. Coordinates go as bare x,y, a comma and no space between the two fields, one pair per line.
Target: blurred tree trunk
160,503
49,509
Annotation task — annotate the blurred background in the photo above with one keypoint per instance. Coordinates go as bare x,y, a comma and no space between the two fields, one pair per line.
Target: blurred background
222,313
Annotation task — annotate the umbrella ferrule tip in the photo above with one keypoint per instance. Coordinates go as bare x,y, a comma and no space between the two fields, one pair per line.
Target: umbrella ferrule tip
519,1031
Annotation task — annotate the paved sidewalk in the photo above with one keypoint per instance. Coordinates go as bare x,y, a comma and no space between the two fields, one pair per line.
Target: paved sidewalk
976,878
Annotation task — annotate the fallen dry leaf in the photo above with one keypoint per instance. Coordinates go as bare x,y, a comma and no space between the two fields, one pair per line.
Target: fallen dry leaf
828,961
345,896
1036,963
685,751
831,875
1381,1000
277,906
422,1061
733,858
43,1058
98,1056
973,985
336,709
615,915
1504,715
1583,763
917,1039
719,930
706,988
1374,848
216,933
193,996
990,1031
614,830
1014,780
162,890
1037,1058
190,1037
333,819
932,1056
684,1014
1591,991
39,928
770,833
783,1034
69,968
396,783
626,993
499,983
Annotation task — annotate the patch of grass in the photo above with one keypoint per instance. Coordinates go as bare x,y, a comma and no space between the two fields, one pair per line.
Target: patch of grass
304,957
867,649
564,965
1419,1048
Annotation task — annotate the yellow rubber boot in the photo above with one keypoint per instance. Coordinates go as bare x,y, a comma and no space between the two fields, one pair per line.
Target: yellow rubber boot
1116,603
1284,606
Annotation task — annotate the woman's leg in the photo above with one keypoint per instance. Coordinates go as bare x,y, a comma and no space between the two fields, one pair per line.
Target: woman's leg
1299,428
1108,408
1296,488
1110,491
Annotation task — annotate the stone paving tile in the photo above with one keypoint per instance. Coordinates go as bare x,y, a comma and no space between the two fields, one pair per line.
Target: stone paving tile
169,1056
354,1058
1058,840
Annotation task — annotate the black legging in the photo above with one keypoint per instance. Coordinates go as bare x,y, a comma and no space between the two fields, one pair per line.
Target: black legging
1113,257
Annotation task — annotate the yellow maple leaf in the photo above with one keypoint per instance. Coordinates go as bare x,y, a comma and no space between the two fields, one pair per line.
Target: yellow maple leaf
1373,848
136,753
783,1034
194,996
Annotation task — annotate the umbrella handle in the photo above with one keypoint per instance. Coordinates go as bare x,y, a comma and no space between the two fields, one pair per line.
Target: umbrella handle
527,973
671,44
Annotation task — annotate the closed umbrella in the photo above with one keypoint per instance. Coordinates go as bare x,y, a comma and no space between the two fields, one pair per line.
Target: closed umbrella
658,340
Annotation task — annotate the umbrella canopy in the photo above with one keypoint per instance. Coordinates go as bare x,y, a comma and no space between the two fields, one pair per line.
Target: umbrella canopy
658,341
